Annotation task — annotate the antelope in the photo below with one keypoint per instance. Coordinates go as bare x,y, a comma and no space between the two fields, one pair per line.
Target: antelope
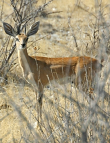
39,71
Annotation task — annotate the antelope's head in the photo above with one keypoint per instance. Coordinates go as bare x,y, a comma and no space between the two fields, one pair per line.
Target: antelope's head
21,39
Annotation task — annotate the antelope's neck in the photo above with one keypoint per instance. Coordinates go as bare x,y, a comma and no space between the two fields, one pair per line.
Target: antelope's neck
24,60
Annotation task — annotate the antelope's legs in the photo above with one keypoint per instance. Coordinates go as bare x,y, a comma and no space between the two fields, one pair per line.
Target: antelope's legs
84,79
39,97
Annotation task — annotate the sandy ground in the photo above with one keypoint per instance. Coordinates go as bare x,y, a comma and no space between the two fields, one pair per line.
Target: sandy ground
18,103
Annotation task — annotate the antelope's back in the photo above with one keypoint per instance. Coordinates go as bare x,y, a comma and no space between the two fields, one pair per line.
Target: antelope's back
71,62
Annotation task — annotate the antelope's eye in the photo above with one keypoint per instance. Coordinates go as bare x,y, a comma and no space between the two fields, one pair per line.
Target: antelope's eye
17,39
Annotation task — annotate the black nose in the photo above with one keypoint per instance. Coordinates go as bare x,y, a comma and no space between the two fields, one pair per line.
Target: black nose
23,45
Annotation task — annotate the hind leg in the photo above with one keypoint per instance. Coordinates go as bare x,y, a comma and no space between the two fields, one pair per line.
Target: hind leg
79,77
83,80
80,82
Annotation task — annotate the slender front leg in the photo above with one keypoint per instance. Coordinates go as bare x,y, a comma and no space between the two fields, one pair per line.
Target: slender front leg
39,97
39,105
38,88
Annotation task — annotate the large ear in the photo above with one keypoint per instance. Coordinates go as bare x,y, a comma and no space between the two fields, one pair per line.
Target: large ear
33,30
9,29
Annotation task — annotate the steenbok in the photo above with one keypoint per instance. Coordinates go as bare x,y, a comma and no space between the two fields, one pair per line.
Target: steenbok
39,71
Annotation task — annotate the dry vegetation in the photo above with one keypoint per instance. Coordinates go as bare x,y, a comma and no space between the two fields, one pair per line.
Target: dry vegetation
67,28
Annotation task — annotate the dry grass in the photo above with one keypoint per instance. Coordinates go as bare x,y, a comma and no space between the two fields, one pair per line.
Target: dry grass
65,109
